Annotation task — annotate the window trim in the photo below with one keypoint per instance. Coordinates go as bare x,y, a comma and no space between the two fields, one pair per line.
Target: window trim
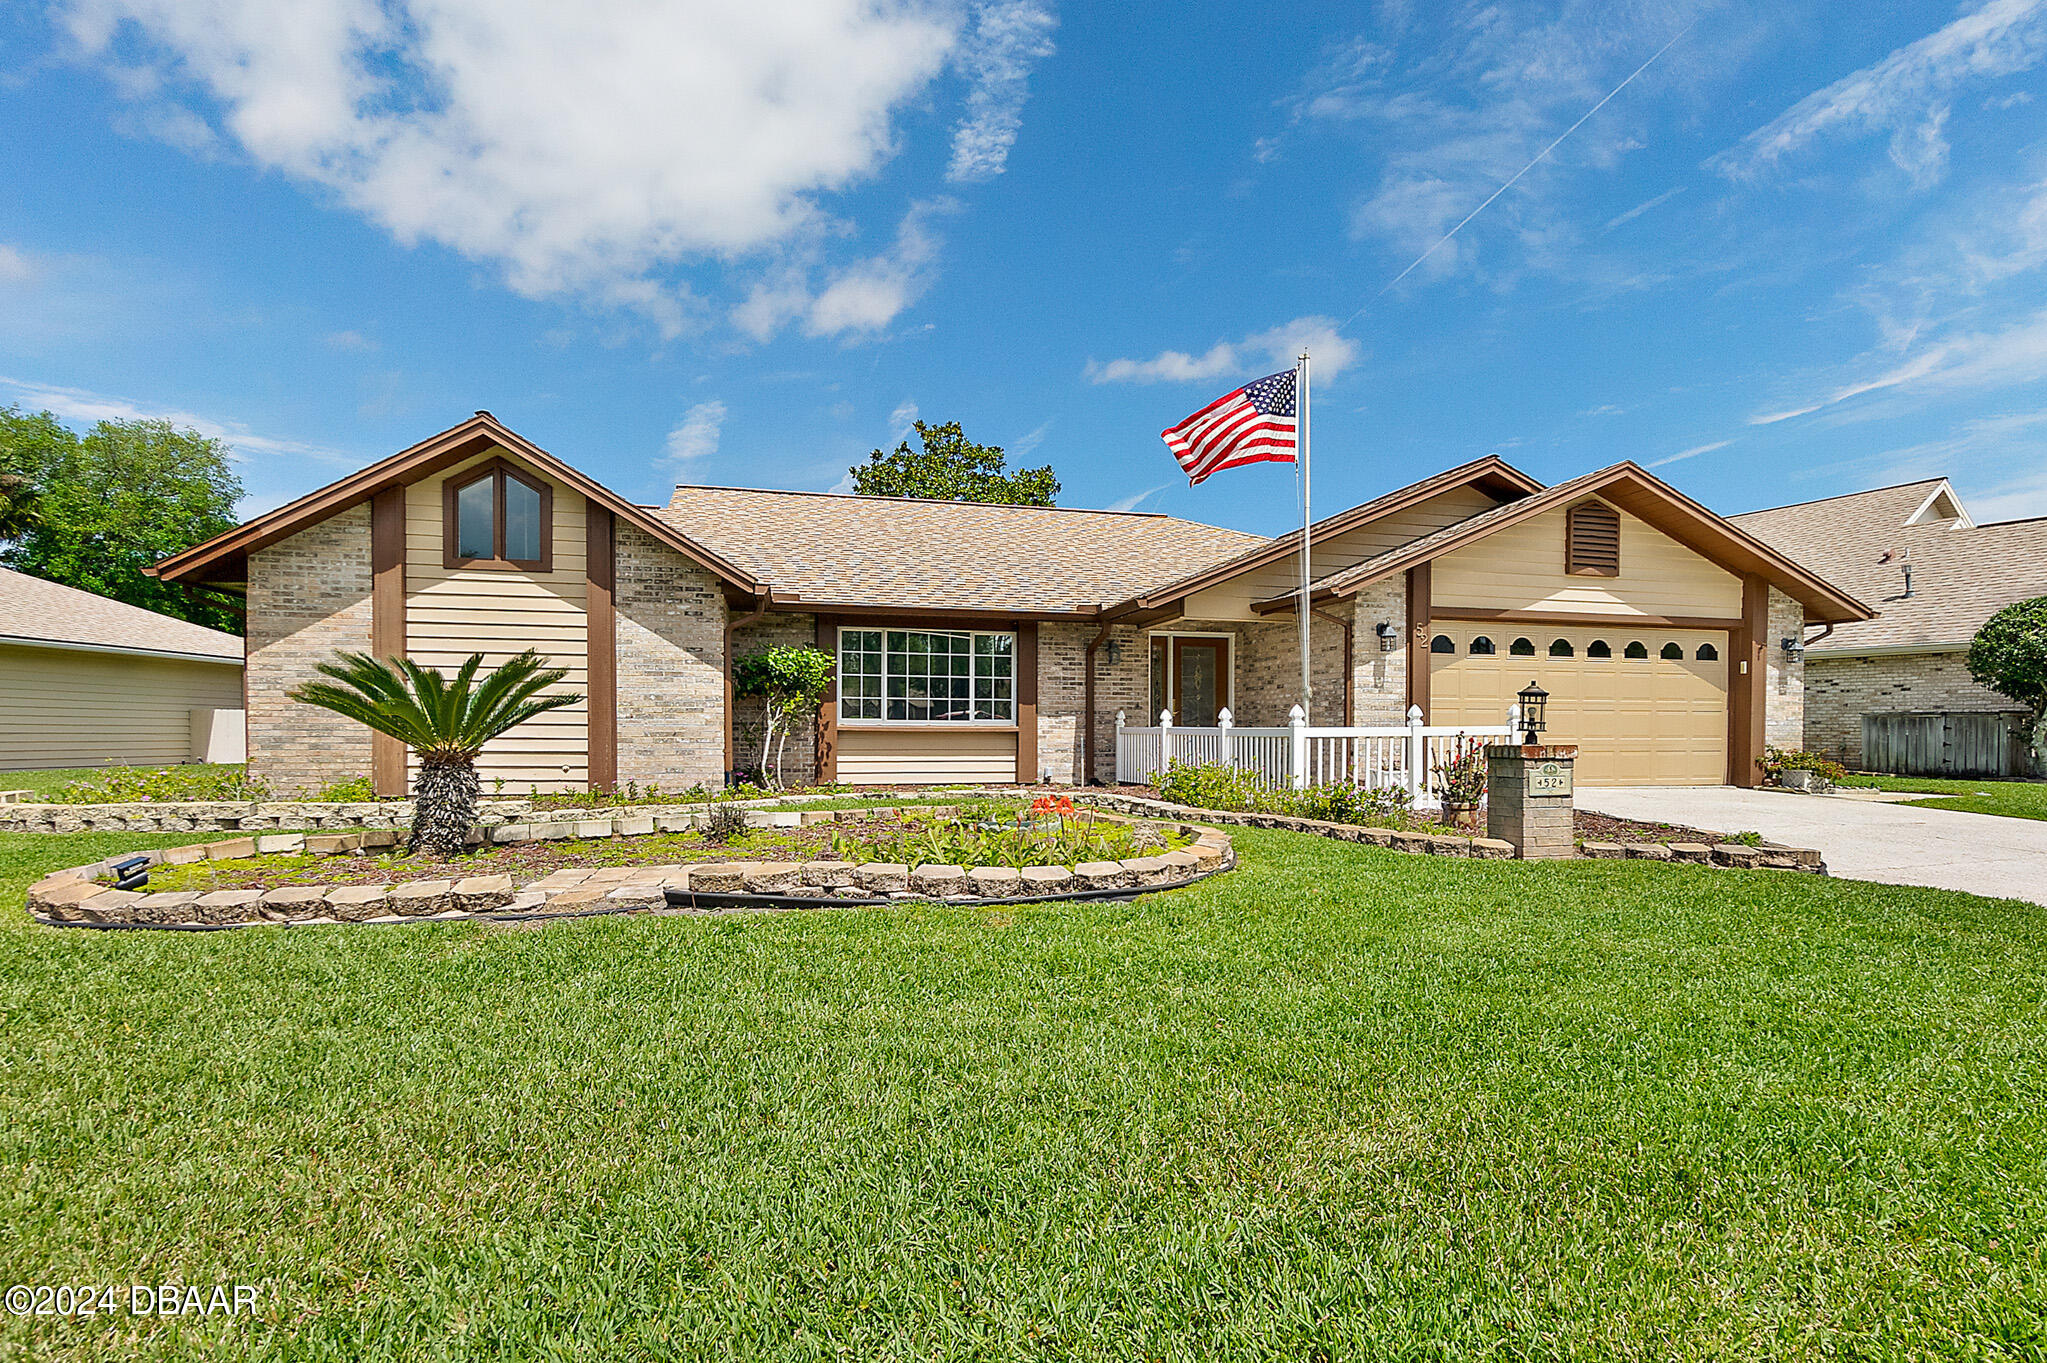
1172,681
839,697
497,470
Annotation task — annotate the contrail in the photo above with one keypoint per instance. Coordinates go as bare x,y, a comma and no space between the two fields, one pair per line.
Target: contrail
1523,171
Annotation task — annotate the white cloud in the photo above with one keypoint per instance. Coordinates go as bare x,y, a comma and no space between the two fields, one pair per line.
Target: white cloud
1639,209
867,296
1130,503
84,405
14,266
349,340
2013,354
1904,93
582,147
1031,439
1687,454
902,420
696,435
1330,353
1007,39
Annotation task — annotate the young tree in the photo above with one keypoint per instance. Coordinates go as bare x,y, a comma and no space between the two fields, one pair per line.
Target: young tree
790,682
445,723
2009,655
952,468
94,511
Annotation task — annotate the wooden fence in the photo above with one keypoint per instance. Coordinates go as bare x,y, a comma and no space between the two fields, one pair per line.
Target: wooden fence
1946,744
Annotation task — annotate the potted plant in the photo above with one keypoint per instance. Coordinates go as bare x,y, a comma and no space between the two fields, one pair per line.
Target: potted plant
1460,785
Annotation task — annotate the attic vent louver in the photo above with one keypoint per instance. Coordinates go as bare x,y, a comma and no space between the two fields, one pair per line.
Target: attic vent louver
1592,536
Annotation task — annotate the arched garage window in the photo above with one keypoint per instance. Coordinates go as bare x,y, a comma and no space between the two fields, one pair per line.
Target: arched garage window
1707,654
1561,648
1481,647
1441,644
1522,648
1674,651
1599,648
1636,649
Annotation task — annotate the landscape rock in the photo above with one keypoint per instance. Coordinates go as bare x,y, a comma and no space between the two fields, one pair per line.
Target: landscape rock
482,894
418,898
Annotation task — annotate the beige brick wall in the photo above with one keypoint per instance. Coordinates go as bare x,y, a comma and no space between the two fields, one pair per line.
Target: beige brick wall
1840,690
1122,685
1379,680
1269,671
799,755
1783,677
671,678
308,596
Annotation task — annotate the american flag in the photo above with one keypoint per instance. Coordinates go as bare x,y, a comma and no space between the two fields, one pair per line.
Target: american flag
1252,425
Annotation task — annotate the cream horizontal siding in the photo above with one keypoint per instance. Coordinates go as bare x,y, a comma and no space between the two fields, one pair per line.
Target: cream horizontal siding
1232,600
897,757
62,708
1522,568
452,613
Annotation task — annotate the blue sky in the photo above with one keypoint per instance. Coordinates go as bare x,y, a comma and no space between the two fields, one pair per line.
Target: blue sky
1802,253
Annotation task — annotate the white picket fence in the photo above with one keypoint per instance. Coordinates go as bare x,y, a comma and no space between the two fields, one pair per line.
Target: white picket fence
1301,755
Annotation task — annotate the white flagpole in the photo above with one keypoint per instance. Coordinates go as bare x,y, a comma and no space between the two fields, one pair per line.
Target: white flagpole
1301,413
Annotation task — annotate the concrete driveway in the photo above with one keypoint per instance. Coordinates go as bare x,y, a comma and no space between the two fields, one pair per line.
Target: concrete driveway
1980,853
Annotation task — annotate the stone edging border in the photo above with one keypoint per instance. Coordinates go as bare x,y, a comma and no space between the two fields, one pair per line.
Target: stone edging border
80,896
1767,857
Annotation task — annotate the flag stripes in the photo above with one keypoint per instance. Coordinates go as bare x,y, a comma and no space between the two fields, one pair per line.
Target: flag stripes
1255,424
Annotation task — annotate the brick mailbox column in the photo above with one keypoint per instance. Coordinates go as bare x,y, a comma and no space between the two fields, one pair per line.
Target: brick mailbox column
1529,799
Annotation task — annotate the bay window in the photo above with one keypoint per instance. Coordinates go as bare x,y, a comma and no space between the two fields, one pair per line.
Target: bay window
927,676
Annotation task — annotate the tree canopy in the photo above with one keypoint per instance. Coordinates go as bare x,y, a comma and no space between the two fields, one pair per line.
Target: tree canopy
952,468
93,511
2009,655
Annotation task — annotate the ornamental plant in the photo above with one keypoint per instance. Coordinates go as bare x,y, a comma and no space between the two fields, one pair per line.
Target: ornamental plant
790,682
444,721
2009,655
1461,780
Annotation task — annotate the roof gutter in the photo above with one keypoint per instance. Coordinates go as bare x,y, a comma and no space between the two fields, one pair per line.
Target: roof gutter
224,659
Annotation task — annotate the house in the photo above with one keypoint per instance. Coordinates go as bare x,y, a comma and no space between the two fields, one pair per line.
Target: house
998,643
1914,552
89,682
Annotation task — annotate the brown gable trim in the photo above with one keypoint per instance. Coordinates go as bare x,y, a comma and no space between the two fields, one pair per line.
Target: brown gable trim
224,558
1648,498
1504,478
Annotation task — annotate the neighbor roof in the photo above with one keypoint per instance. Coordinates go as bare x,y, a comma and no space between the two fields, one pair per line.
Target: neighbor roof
1639,493
833,549
33,611
1962,574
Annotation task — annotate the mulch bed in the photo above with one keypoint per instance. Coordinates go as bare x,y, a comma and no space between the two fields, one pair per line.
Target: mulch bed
1593,827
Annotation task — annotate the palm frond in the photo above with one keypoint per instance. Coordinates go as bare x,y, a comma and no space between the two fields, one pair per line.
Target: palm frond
430,712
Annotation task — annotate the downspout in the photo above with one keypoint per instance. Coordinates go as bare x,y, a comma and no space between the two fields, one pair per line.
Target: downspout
1349,660
1817,637
1087,707
767,596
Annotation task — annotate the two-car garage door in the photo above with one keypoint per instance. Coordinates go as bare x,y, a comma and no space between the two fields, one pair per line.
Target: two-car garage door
1645,707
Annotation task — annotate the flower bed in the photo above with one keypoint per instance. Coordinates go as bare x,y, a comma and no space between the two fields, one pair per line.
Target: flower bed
626,863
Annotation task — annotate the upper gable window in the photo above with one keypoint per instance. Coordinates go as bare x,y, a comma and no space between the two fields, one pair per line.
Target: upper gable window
497,517
1592,540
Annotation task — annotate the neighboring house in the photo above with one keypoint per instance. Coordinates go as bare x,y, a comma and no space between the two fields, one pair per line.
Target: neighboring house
998,643
1914,553
88,682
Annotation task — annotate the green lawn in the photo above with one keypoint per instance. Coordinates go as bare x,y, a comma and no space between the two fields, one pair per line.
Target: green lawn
47,783
2013,799
1339,1104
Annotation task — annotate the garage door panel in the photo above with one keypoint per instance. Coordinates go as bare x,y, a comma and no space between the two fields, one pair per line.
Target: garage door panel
1636,721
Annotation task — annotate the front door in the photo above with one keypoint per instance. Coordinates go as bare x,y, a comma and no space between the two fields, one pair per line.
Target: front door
1201,681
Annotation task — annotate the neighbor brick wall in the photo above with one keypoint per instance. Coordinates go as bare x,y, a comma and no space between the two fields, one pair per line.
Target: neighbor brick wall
799,755
308,596
1840,690
671,679
1783,677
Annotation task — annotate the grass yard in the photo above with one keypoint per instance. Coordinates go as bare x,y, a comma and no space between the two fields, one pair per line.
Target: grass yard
1339,1104
2013,799
47,783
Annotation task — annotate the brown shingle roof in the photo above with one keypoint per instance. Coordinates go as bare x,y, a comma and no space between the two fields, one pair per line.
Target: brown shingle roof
36,611
899,551
1961,575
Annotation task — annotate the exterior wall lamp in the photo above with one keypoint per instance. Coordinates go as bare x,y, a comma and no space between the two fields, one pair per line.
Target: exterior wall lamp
1114,648
1794,649
1386,634
1533,702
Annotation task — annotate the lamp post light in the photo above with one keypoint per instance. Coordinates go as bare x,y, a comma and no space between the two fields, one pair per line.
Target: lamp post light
1533,698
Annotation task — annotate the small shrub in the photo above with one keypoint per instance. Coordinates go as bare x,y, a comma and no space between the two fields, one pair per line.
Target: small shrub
355,790
1461,780
1209,785
723,822
198,781
1776,761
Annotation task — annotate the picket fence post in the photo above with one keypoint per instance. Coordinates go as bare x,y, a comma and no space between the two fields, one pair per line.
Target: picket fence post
1297,721
1417,755
1225,722
1120,777
1165,739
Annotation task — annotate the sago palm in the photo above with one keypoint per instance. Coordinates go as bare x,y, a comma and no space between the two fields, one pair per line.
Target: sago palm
445,721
